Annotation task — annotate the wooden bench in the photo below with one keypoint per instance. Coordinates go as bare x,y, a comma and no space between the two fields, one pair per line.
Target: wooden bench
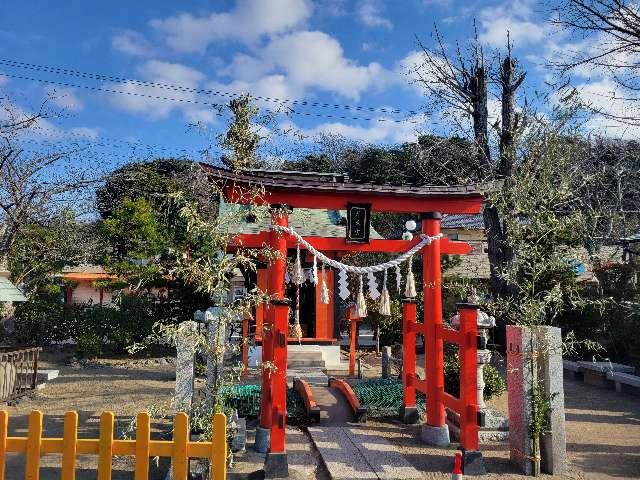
625,382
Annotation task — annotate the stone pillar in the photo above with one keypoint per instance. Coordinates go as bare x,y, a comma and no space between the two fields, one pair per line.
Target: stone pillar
544,345
386,362
185,353
520,381
554,444
215,322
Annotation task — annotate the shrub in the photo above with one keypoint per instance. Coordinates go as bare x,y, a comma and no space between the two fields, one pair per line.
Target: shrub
96,328
494,383
41,319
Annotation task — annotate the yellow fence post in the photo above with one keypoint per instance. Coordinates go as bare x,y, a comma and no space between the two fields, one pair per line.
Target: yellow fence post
181,449
218,458
34,437
105,447
4,422
69,446
179,460
143,438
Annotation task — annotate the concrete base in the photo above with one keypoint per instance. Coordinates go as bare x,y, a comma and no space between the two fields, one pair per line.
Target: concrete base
263,439
276,465
436,436
472,463
408,415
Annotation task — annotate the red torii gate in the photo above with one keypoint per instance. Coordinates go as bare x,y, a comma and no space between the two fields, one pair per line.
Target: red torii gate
297,190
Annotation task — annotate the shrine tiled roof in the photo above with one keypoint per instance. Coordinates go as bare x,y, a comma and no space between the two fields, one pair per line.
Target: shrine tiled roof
336,182
8,292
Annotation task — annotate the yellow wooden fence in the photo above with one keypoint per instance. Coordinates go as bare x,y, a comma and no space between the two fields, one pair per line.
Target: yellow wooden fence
180,449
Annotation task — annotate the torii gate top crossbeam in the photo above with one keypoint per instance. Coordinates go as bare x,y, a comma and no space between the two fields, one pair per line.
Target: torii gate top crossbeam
302,190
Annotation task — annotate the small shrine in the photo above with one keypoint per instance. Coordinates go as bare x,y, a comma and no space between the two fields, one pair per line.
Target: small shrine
309,263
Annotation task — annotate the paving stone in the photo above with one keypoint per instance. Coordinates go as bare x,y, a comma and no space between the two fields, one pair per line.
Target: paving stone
359,452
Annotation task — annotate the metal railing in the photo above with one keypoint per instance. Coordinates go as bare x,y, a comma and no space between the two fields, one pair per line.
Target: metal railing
18,371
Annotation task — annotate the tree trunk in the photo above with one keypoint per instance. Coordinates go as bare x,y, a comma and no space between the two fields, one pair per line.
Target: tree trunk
480,114
500,254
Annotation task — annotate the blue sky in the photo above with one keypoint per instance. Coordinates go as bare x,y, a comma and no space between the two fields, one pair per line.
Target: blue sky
352,52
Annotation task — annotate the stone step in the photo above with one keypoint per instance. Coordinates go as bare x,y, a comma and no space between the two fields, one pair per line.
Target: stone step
305,363
45,375
310,354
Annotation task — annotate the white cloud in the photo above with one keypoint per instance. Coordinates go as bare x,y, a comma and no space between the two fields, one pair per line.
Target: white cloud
41,128
65,98
84,132
132,43
247,22
136,98
289,66
316,60
606,96
3,80
370,13
517,18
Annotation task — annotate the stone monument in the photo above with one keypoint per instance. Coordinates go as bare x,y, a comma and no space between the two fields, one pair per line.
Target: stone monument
185,351
543,346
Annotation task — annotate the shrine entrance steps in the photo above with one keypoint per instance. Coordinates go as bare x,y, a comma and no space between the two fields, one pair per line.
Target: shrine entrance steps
305,359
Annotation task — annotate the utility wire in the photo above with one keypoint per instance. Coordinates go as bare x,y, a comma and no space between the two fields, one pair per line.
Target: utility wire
198,102
282,101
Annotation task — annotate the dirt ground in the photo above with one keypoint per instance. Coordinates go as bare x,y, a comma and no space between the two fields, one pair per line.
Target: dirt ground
603,427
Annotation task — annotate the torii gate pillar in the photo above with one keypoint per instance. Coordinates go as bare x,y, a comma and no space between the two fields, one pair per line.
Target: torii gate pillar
435,432
273,407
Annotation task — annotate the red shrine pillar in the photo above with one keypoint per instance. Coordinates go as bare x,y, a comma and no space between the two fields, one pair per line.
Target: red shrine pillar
435,432
273,409
353,333
408,410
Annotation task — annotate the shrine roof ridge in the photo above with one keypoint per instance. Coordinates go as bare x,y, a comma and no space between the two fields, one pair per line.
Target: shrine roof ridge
340,183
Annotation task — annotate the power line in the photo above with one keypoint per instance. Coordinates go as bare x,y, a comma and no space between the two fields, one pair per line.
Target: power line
282,101
52,133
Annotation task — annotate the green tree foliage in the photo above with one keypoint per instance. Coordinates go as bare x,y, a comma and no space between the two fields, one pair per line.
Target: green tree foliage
154,181
543,214
96,329
134,230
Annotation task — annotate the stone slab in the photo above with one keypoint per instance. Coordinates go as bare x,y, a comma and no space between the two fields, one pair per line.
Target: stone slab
360,453
45,375
604,367
626,378
520,379
550,369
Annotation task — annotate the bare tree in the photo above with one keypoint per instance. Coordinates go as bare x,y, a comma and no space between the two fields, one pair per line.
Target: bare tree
461,82
608,35
35,184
